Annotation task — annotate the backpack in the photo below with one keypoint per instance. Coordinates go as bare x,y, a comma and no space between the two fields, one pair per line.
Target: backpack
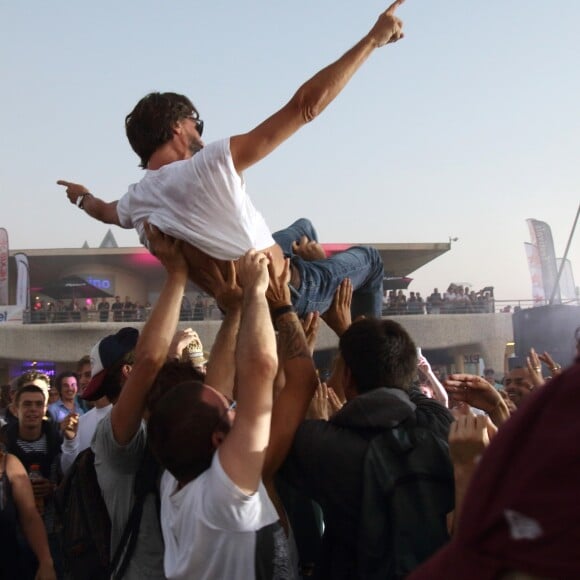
85,523
408,490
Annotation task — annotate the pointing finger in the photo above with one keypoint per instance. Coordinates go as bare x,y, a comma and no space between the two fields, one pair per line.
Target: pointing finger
391,9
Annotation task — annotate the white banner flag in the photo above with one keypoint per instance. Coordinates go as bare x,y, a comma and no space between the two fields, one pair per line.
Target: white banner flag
22,281
535,267
541,235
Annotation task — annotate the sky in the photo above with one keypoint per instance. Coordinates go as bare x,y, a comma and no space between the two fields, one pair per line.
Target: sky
465,128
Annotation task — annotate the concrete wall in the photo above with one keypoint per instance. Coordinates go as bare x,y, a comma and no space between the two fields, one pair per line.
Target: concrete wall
461,334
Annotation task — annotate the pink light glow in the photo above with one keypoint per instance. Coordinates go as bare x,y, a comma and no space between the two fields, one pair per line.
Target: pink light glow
144,259
331,249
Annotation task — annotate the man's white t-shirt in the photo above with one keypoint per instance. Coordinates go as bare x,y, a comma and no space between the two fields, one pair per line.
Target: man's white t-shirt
213,530
201,200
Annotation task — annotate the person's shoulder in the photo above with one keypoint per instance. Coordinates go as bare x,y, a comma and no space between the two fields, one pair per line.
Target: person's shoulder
54,406
214,152
314,434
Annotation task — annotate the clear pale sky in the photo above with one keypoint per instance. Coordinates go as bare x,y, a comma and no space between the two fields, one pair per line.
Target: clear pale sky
465,128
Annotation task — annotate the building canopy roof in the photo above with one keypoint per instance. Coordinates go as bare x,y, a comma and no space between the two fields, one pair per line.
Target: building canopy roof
46,265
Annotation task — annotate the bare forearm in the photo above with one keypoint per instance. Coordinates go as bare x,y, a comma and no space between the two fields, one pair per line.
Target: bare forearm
500,413
463,474
221,367
319,91
439,392
292,403
99,209
256,346
159,329
35,534
150,354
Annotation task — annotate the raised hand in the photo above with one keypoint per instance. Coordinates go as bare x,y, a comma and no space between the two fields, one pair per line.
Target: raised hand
309,250
278,293
70,426
535,368
338,316
468,437
166,249
423,364
253,271
477,392
73,190
311,325
554,367
388,27
180,340
334,402
319,405
226,291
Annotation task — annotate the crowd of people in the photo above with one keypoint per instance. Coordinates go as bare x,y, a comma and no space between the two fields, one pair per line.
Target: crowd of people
193,308
263,471
77,310
242,463
458,299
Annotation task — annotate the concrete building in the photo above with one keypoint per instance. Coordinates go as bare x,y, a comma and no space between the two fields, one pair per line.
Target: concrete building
454,341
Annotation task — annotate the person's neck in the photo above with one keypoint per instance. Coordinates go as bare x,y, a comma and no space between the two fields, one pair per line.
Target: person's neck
167,153
69,404
102,402
30,433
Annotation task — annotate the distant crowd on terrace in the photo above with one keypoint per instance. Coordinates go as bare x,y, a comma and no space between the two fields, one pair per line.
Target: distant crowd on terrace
202,307
458,299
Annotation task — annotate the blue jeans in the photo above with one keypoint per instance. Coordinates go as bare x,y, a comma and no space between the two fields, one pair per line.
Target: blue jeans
320,279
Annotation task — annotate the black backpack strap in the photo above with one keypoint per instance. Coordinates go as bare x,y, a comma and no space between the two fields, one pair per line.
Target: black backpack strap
145,483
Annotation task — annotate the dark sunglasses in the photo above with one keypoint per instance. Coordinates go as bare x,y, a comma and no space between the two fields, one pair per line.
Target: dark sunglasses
198,122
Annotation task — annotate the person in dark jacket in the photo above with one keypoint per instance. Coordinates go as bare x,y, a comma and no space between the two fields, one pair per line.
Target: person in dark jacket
376,365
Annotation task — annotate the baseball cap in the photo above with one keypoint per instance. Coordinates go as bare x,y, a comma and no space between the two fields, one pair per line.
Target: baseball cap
104,355
521,512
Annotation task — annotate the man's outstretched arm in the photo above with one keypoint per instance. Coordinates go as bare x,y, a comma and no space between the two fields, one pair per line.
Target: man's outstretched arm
97,208
314,95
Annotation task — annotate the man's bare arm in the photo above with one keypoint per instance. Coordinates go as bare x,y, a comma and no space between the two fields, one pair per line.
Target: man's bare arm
156,336
103,211
292,403
221,367
243,451
314,95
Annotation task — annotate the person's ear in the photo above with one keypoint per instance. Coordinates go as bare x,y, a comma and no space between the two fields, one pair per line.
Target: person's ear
177,128
217,438
126,370
350,390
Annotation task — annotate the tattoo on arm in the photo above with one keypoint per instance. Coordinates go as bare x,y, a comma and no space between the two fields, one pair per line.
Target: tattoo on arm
292,339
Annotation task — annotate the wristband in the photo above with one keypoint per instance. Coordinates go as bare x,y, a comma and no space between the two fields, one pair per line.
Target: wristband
81,200
277,312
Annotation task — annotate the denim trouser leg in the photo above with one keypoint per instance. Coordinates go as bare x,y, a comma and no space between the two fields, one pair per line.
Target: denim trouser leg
321,278
286,237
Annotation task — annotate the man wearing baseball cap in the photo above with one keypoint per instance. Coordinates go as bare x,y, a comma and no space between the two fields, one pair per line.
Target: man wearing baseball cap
111,361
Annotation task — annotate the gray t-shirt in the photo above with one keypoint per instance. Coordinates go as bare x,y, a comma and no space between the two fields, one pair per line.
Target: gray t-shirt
116,466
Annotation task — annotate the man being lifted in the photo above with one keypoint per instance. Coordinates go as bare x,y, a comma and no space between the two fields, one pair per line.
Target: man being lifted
196,193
